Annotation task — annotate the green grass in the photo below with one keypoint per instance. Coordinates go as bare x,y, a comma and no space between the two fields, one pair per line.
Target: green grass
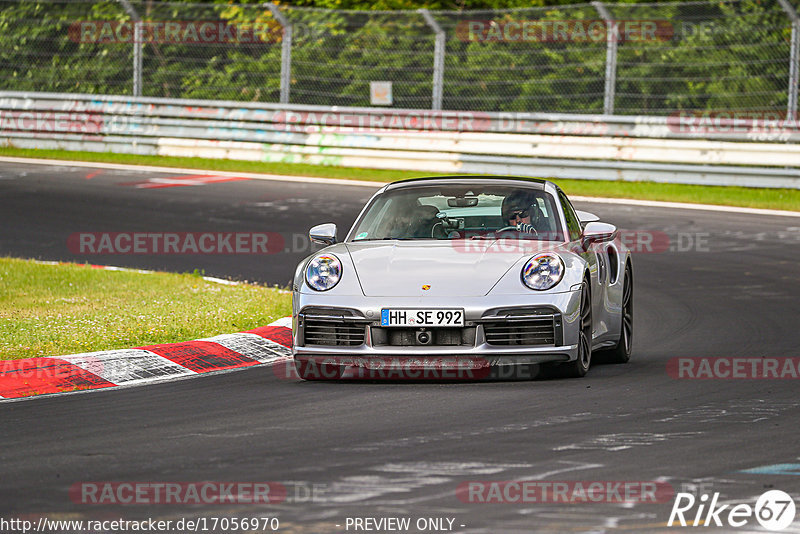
780,199
50,310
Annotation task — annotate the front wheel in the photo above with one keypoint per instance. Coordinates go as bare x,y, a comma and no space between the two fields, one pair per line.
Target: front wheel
622,352
580,366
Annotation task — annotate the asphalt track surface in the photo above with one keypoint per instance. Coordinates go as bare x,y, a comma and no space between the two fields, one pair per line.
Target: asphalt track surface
402,449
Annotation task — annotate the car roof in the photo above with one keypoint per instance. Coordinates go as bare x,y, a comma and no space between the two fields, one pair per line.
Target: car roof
512,181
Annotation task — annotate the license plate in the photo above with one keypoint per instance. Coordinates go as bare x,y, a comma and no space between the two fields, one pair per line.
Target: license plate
422,317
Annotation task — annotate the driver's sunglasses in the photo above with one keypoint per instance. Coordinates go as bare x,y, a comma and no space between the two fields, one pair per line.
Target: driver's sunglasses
518,213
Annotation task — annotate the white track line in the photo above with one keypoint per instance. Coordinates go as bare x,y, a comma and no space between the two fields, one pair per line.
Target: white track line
685,206
144,271
358,183
177,170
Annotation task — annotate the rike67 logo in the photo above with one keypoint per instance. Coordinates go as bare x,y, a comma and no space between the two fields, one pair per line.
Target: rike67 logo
774,510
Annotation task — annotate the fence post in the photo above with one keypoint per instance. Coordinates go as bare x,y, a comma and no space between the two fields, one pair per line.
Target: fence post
794,66
611,57
137,46
286,51
438,59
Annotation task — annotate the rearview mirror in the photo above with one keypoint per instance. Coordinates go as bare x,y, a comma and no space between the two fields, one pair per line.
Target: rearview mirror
462,202
323,234
598,232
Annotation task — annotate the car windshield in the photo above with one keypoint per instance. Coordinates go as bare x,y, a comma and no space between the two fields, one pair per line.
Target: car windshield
460,212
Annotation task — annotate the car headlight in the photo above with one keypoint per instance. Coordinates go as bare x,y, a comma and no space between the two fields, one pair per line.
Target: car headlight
543,271
323,272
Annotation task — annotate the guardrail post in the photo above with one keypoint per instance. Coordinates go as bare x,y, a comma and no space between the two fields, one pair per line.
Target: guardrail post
137,59
611,57
137,46
286,51
438,59
794,66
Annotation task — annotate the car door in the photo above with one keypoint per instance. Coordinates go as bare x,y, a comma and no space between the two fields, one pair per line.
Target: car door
575,230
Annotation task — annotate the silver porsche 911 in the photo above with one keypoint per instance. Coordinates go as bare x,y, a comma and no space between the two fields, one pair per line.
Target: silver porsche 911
447,277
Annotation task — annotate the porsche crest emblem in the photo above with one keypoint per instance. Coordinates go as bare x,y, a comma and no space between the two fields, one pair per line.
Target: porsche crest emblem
426,287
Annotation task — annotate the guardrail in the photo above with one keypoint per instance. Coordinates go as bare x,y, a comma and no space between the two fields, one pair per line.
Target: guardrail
662,149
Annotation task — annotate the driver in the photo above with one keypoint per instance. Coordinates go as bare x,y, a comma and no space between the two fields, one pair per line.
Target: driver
521,211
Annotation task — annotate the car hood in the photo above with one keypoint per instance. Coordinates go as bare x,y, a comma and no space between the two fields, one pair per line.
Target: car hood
461,268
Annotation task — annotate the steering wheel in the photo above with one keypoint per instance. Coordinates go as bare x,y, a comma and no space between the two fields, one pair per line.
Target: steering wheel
507,228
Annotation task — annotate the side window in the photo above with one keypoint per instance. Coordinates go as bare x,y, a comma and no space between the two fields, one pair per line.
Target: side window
573,224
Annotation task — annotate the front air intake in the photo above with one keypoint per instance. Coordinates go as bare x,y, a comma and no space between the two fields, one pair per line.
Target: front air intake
327,333
529,332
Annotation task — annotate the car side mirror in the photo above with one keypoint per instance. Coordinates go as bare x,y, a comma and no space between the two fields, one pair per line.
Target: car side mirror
323,234
585,217
597,232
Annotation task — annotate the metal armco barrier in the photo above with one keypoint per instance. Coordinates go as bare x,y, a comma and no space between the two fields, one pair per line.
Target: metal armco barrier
661,149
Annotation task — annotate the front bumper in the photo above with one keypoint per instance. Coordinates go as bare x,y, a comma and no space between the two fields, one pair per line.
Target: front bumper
354,314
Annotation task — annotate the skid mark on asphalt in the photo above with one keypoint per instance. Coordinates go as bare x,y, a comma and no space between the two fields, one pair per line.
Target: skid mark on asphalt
356,489
736,412
467,434
443,477
386,495
700,485
181,181
448,468
623,441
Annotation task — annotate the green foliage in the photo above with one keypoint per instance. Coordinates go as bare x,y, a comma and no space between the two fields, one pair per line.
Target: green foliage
41,52
731,55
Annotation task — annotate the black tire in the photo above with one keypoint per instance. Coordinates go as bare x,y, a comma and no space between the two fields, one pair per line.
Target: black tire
622,352
579,367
